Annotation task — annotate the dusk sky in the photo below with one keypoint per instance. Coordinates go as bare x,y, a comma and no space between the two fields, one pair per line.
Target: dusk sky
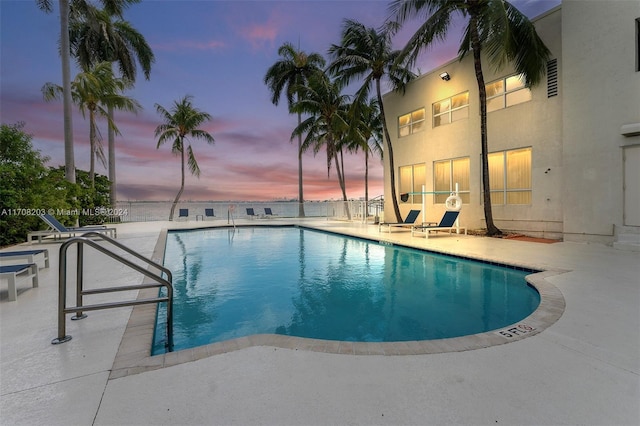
219,52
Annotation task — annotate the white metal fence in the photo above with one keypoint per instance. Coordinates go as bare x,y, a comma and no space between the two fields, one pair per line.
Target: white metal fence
148,211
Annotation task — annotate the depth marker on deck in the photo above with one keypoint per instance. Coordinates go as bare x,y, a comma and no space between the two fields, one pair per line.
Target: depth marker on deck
515,331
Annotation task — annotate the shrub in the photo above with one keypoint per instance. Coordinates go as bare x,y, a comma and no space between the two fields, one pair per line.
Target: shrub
28,188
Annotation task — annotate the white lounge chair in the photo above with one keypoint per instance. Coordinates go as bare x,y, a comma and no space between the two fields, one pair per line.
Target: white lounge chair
28,255
59,231
251,213
13,273
446,224
410,220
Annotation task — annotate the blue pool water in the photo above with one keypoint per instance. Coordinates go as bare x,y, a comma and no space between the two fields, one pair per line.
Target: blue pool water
307,283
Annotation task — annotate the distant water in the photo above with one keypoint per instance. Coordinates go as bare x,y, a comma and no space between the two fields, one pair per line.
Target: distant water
147,211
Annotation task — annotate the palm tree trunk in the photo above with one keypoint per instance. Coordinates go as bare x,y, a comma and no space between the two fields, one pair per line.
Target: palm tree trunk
366,176
175,202
92,145
366,184
392,174
341,181
300,192
112,161
69,161
475,45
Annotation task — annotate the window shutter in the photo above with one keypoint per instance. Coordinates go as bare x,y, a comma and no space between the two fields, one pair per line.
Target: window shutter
552,78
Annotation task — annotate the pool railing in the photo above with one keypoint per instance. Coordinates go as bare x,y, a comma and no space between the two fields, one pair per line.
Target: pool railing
158,281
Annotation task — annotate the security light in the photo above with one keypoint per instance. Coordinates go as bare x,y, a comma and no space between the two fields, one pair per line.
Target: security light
445,76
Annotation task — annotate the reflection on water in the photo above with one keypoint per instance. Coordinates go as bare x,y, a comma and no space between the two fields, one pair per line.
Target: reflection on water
313,284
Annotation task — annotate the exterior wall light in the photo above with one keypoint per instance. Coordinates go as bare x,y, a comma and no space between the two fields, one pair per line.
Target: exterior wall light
445,76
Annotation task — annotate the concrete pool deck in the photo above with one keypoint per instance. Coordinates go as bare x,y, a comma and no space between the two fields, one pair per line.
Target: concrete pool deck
583,369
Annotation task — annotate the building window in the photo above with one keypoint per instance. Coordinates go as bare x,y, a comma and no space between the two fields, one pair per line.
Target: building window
507,92
412,178
409,124
451,109
510,176
446,173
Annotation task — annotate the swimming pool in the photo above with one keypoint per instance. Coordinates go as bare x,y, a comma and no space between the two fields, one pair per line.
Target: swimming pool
308,283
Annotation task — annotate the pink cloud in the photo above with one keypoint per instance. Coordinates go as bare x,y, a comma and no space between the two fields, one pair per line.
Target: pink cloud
176,46
260,34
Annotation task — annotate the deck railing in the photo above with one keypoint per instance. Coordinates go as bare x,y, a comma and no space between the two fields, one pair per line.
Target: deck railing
149,211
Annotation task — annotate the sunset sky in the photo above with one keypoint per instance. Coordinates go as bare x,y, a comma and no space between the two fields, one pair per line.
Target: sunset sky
219,52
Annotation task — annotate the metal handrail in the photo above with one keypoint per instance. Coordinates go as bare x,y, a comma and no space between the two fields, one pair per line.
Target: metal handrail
62,284
378,204
230,211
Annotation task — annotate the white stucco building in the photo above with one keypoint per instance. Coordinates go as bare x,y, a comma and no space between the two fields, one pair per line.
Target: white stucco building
565,155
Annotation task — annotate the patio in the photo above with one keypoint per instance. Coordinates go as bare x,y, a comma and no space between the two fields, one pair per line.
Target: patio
584,369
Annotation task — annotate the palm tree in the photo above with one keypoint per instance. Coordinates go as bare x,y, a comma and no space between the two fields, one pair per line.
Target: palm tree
66,8
494,27
290,72
180,122
69,161
96,37
327,125
367,53
366,135
93,91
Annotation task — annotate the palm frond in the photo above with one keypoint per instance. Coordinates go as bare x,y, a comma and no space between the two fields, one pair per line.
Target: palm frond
526,50
117,7
95,37
45,5
192,163
291,71
202,134
51,91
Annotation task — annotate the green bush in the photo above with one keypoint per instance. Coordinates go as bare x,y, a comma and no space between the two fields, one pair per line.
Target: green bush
28,187
88,201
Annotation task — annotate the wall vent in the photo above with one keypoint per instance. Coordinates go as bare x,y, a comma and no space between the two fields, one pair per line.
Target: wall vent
552,78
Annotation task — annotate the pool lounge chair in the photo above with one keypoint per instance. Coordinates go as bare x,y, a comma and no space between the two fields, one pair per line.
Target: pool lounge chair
13,273
207,213
26,255
410,220
59,231
183,213
251,213
268,212
446,224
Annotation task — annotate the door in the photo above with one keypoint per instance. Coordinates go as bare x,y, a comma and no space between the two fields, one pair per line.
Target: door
632,185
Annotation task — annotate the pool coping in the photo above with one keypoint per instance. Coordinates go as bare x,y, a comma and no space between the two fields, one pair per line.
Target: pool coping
133,356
